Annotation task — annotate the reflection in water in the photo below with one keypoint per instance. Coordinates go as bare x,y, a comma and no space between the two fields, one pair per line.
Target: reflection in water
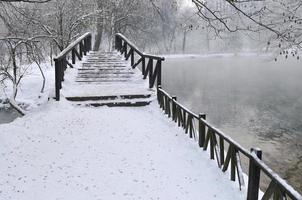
253,99
8,115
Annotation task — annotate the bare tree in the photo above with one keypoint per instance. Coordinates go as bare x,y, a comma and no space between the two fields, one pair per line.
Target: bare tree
278,20
11,70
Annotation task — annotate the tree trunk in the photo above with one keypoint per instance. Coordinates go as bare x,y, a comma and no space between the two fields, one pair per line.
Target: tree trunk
100,26
184,42
15,73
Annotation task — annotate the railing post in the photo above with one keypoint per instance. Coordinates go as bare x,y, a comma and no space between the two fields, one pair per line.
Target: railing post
159,72
144,65
159,95
150,72
254,176
84,47
57,79
202,130
89,43
125,49
81,49
132,57
73,56
174,98
116,43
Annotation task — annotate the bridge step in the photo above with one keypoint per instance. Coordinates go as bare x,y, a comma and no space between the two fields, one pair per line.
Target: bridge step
119,104
106,78
102,80
97,98
112,101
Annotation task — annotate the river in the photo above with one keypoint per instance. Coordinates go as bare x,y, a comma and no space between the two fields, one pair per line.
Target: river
254,99
7,115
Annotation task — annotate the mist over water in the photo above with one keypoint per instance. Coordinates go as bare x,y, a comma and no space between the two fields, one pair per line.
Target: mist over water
254,99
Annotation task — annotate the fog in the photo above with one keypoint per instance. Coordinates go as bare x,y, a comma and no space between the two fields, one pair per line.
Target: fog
252,98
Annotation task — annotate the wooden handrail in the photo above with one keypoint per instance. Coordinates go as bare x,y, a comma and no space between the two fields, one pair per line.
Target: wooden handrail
136,49
78,48
72,45
207,136
153,72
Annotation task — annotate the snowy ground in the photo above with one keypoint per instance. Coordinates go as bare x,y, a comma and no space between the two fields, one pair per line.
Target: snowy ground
66,152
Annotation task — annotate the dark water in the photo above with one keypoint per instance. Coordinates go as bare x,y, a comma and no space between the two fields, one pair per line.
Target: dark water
8,115
255,100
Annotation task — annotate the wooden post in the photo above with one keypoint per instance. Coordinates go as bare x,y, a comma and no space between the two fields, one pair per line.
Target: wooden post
202,130
190,123
212,134
132,57
166,104
150,67
159,72
73,56
144,66
254,176
159,95
117,43
84,47
169,107
184,120
89,43
57,79
221,150
81,49
174,115
233,163
125,49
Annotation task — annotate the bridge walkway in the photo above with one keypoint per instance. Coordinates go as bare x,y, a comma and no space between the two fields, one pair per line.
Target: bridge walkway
106,78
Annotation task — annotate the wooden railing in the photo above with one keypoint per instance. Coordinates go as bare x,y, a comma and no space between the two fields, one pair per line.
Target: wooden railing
210,137
78,48
129,50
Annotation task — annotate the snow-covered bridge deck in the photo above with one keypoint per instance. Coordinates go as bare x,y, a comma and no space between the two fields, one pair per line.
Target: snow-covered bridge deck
106,78
64,152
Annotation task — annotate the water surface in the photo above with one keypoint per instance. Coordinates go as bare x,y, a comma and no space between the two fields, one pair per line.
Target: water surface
7,115
254,99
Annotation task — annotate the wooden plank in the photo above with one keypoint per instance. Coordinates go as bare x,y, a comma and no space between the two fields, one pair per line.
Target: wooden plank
207,139
269,191
201,130
221,150
239,171
113,97
227,159
233,164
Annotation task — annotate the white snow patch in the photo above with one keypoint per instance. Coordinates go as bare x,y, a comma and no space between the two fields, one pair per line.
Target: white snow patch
65,152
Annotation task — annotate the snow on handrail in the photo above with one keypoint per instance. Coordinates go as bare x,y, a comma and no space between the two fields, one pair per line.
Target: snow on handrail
72,45
290,191
136,49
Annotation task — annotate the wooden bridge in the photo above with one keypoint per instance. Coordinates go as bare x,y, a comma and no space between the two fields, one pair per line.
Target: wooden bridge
113,79
109,78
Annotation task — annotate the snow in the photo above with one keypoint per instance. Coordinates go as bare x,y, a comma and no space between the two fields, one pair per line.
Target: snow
135,84
29,92
63,152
